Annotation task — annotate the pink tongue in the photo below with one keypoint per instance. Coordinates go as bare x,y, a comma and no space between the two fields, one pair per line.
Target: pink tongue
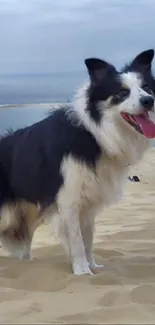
146,125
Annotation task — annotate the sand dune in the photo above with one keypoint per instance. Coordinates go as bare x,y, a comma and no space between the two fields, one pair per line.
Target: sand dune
45,291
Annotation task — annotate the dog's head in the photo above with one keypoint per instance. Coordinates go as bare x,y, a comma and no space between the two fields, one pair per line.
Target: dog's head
128,95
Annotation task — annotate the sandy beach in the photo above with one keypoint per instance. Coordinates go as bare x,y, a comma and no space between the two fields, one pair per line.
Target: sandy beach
45,291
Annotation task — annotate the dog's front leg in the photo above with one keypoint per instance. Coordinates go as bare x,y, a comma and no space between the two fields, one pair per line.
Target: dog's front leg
70,220
87,229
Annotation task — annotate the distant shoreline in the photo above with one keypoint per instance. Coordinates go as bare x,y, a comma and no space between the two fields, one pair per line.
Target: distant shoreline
31,106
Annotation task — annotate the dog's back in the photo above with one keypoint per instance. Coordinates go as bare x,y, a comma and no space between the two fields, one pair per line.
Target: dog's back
30,158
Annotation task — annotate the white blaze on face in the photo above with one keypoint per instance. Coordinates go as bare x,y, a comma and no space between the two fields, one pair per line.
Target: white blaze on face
131,109
133,81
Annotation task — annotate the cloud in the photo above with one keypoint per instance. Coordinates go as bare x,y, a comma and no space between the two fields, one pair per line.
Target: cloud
56,35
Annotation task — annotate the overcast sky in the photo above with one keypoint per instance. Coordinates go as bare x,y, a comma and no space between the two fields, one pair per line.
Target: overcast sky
56,35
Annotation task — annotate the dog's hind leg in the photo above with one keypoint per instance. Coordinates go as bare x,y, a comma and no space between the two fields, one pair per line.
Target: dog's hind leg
87,229
69,219
18,247
17,238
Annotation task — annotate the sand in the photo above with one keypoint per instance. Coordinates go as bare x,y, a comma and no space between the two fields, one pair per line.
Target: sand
45,291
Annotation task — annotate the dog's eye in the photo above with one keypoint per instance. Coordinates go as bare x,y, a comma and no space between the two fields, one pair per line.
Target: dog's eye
124,92
121,96
147,89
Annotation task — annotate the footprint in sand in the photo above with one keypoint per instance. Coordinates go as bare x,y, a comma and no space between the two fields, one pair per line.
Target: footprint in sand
104,279
114,297
108,253
144,294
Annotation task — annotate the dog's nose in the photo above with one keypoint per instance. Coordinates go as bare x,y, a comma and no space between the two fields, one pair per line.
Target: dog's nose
147,102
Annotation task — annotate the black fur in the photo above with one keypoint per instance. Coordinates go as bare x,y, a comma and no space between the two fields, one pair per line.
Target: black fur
143,64
105,82
30,158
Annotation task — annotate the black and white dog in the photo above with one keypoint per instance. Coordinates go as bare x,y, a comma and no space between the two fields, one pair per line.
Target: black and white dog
77,160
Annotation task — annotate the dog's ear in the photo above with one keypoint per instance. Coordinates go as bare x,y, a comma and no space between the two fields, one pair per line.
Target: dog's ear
98,69
144,59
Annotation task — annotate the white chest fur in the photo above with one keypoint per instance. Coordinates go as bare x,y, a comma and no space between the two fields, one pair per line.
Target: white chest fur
83,186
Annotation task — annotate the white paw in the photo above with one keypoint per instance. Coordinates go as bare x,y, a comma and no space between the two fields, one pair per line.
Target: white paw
81,267
82,271
25,257
97,266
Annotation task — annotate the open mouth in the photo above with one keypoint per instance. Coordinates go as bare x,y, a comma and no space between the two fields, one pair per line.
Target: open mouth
141,123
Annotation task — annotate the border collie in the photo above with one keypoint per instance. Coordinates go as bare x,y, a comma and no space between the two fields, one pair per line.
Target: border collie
76,161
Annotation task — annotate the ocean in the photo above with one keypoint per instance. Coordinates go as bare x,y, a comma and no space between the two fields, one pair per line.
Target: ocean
44,44
39,88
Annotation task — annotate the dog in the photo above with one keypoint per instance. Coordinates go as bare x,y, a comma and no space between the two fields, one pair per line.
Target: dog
76,161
